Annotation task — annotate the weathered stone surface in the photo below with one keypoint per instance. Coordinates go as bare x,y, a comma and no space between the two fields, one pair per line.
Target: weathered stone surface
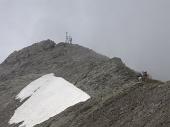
118,99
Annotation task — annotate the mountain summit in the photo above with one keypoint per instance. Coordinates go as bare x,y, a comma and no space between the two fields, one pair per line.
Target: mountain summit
115,97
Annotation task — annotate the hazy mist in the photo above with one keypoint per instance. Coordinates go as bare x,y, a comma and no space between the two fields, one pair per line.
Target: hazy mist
138,31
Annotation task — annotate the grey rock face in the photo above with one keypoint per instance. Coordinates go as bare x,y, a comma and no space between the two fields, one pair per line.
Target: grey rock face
118,99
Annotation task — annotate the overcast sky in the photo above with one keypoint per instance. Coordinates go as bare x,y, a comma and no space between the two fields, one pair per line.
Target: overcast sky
138,31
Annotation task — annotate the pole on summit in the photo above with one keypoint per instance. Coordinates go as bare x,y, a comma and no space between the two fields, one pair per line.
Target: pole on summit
67,38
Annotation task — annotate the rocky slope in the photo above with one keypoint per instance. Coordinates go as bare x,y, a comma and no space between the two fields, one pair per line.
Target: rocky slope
118,99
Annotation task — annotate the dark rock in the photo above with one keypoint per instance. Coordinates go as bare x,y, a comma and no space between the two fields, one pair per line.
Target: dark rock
118,99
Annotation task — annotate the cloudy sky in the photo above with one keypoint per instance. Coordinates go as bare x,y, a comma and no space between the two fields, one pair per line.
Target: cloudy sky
138,31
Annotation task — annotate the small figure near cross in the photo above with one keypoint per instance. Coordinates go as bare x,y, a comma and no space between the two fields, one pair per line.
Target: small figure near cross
68,39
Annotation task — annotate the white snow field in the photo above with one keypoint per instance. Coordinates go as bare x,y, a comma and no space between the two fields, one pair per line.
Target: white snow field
48,96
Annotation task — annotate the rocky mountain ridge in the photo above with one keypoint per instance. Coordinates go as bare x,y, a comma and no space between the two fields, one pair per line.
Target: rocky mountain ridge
118,99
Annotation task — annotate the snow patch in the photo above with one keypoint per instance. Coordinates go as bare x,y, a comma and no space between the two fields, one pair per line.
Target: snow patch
48,96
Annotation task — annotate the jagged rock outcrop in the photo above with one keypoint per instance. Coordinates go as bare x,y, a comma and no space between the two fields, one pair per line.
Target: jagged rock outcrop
118,99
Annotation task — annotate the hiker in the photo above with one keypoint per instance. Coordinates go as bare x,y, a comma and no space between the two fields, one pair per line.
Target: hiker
142,77
139,75
70,39
145,75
